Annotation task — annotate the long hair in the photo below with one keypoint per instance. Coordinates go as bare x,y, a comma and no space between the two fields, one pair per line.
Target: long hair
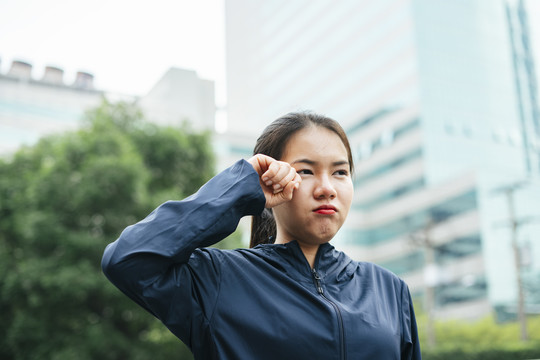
272,142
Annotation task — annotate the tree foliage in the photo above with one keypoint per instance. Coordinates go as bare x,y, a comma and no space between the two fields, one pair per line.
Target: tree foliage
482,339
61,202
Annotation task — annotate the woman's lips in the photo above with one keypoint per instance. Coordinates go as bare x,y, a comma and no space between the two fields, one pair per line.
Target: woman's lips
325,210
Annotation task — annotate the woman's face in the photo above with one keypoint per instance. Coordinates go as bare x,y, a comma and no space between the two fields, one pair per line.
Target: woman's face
321,204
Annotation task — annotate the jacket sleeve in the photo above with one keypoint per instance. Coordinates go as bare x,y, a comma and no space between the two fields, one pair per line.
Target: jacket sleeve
410,348
155,261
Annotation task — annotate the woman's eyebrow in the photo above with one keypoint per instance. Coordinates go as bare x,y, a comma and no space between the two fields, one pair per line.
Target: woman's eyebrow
339,163
305,161
313,163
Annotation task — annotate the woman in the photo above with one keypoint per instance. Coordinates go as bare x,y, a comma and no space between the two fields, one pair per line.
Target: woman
290,296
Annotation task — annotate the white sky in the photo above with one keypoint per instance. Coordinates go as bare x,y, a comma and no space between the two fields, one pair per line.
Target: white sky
127,44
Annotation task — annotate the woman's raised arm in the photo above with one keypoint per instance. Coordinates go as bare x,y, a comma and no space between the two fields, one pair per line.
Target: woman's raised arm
150,261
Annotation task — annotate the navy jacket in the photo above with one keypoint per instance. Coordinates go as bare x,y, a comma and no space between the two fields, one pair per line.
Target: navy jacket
260,303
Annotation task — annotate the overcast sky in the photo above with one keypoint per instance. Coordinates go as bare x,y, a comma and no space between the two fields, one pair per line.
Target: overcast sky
127,44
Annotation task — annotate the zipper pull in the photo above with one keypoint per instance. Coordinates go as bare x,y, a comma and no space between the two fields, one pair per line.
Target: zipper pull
317,279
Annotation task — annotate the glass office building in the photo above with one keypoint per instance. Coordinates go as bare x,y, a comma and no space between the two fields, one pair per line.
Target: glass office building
439,101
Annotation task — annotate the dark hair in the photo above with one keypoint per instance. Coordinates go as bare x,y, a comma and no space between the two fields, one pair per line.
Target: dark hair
272,142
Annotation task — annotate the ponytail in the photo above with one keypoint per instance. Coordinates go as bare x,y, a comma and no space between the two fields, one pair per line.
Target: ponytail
263,229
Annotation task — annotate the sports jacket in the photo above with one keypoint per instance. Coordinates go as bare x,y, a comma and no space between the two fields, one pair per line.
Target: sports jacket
260,303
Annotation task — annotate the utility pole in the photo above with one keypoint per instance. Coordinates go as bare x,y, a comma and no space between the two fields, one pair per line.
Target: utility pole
424,240
514,226
431,283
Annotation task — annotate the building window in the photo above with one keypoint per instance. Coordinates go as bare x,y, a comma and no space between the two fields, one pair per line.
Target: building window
405,264
390,195
365,150
387,138
416,221
388,167
467,289
458,248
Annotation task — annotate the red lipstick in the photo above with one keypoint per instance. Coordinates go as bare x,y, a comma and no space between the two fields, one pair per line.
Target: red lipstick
325,210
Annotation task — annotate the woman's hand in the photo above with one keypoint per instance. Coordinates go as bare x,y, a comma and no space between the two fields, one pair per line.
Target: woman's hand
278,179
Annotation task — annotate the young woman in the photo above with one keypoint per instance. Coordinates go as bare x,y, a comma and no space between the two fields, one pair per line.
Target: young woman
292,295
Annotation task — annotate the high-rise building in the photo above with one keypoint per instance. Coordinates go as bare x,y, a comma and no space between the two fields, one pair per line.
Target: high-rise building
439,101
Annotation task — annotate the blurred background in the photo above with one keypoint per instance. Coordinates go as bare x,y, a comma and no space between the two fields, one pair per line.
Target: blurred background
109,108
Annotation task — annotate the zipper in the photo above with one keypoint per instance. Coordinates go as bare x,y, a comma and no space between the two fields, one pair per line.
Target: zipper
320,290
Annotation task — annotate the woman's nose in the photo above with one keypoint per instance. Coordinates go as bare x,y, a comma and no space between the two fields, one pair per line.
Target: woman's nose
325,189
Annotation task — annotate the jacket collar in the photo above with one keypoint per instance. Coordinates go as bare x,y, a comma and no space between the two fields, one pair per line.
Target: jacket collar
327,261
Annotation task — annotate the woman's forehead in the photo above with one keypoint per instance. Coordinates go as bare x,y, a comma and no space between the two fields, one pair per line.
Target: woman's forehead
315,143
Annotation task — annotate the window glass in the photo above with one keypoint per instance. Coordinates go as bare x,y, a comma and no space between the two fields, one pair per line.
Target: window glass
467,289
390,195
415,221
458,248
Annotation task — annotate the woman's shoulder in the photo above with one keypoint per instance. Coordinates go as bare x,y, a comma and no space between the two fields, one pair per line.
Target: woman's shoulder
234,261
216,254
373,270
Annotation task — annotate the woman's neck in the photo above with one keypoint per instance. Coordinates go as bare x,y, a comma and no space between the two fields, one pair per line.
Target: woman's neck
309,250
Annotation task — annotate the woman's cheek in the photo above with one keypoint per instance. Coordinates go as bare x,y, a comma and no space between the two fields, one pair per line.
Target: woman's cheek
347,191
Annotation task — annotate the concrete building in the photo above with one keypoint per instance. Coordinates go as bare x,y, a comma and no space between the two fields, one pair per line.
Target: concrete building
180,95
32,108
438,98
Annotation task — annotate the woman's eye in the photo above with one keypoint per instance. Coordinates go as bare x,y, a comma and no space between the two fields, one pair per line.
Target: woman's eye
304,172
342,172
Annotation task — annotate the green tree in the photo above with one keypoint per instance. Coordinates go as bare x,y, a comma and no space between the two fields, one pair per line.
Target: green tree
61,202
481,339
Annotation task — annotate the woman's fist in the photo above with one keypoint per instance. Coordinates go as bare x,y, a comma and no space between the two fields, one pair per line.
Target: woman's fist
278,179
